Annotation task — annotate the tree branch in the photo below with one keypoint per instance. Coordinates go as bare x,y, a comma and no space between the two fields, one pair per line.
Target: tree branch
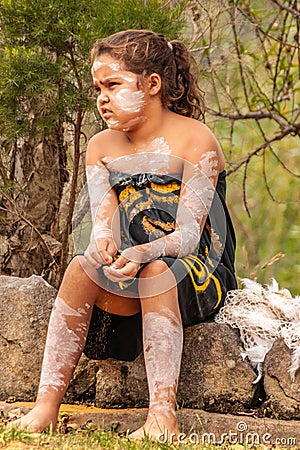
27,221
287,8
246,160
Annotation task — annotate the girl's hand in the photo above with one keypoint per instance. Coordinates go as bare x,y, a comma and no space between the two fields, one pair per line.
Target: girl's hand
144,253
100,251
129,263
122,269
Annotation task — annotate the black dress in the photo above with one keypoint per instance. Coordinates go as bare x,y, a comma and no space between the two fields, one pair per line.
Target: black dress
147,206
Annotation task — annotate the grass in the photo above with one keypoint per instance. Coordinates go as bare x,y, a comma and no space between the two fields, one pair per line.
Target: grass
89,437
70,435
84,439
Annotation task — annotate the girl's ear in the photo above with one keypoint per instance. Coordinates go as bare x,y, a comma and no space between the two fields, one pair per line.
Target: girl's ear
154,83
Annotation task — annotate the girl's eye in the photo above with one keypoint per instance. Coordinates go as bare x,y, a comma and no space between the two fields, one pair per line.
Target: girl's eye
112,84
97,89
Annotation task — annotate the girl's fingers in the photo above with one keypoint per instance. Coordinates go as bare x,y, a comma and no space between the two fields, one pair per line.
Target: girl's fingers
105,257
111,248
120,263
113,275
96,254
106,250
127,271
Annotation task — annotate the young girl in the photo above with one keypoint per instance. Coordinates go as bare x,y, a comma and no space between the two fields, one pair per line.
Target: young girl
161,253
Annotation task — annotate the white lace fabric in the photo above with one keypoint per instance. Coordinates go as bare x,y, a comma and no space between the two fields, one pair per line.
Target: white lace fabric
262,315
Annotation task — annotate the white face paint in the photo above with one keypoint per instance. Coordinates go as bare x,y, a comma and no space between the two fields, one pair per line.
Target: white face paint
98,64
112,123
129,101
119,102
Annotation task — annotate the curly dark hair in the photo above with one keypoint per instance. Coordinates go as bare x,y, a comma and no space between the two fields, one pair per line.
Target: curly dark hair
144,52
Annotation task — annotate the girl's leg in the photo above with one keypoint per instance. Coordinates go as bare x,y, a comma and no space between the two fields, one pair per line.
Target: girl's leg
163,341
67,332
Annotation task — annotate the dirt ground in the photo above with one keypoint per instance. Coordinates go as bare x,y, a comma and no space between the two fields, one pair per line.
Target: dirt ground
194,424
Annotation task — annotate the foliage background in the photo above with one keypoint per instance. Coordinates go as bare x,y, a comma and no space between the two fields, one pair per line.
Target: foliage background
249,58
248,55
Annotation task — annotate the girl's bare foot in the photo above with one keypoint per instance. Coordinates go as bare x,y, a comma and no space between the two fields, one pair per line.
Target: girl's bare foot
42,417
158,427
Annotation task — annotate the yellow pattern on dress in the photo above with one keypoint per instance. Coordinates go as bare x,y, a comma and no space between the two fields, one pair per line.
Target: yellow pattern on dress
196,268
202,272
150,225
169,187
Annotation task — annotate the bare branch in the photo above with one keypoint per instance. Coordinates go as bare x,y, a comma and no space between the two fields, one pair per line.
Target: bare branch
237,48
287,8
245,188
246,160
28,222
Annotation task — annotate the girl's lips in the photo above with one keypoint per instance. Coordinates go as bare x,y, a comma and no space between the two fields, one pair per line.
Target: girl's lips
106,113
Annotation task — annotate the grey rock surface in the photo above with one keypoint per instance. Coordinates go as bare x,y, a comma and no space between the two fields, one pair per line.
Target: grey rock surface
24,314
214,376
282,395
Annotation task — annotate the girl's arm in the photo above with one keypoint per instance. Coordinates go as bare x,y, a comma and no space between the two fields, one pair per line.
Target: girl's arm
197,192
104,209
200,175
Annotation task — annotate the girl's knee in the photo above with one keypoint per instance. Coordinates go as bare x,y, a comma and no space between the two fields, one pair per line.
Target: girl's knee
77,269
76,264
154,268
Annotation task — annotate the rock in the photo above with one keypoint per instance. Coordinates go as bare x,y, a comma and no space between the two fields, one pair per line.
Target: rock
24,314
213,375
83,383
122,384
282,395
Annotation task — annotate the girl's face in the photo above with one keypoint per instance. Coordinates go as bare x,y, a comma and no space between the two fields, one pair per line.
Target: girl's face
120,101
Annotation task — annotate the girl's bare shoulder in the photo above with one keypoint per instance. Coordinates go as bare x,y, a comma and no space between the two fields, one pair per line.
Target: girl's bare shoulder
196,132
196,139
103,144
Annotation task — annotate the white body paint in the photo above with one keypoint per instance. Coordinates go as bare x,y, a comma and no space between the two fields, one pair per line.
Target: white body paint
163,341
100,198
141,162
65,341
196,198
159,145
194,205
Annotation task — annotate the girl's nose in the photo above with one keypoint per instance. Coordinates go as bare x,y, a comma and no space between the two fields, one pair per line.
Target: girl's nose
103,98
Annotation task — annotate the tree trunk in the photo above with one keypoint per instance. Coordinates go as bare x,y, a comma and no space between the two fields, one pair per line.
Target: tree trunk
29,237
